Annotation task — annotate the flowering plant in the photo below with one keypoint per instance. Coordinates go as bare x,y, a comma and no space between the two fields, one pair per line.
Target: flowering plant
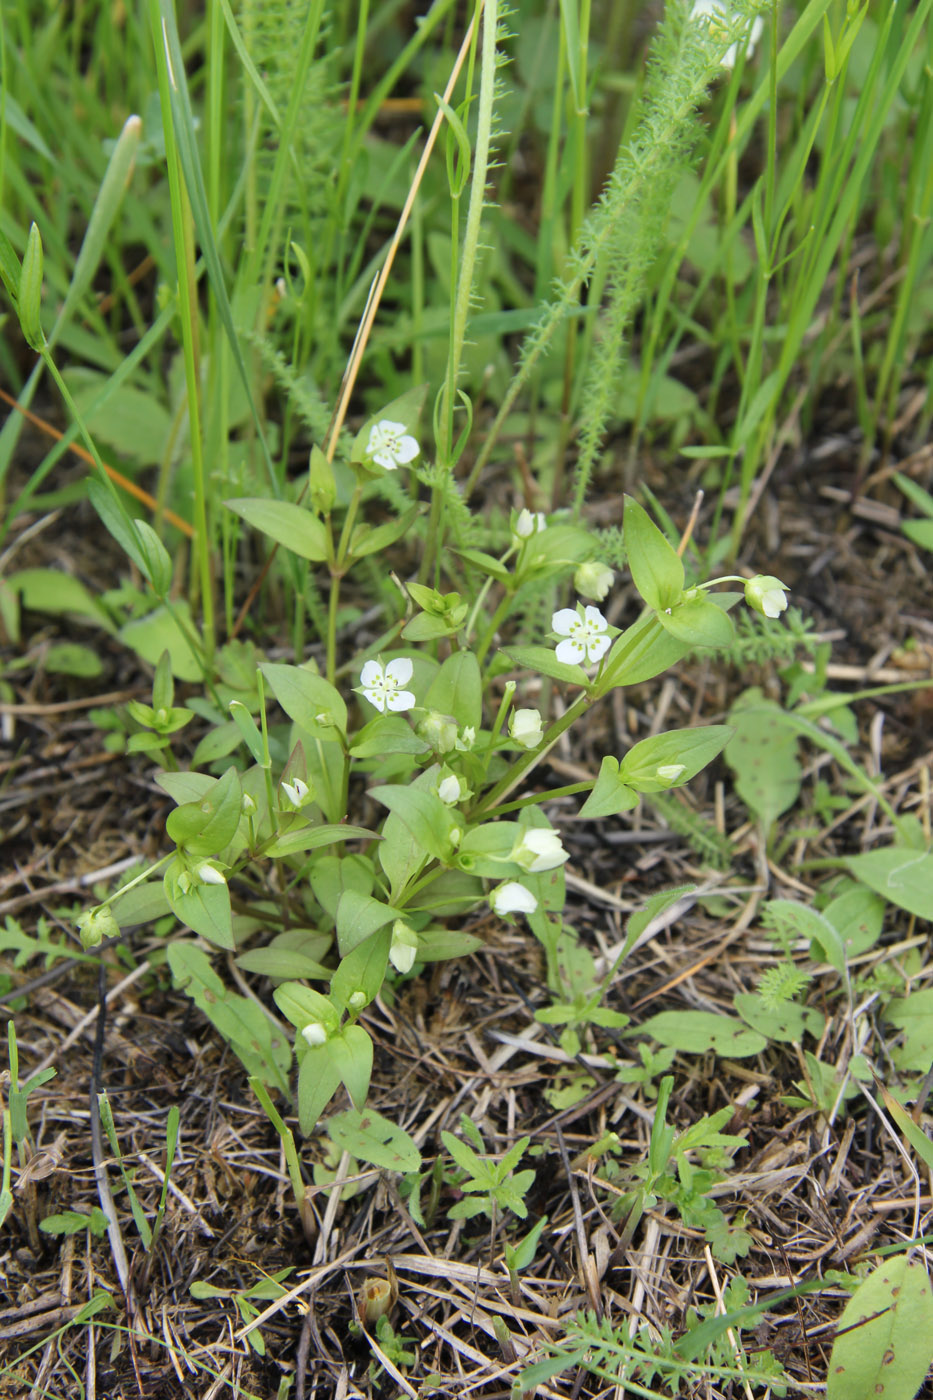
440,744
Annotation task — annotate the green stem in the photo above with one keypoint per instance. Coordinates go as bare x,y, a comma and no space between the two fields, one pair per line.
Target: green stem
530,760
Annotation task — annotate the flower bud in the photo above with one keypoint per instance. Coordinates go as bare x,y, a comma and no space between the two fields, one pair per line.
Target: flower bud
512,898
466,739
525,728
448,789
404,946
529,522
538,849
356,1001
208,874
670,772
439,731
766,595
593,580
314,1033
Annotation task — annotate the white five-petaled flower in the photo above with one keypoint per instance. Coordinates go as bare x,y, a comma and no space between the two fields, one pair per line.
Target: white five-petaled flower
512,898
383,685
538,849
716,14
390,446
586,636
766,595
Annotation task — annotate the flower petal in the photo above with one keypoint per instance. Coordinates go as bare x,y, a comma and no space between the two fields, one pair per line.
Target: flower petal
399,700
595,619
371,674
565,622
407,449
398,672
571,652
596,647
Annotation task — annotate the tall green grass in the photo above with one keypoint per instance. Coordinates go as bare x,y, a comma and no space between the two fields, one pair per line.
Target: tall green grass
581,230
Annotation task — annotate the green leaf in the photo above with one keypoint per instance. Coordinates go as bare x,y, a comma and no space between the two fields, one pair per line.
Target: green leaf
367,540
914,1134
902,875
72,1222
543,661
387,734
787,1022
290,525
656,568
318,1081
132,421
610,794
160,631
206,827
261,1047
654,906
303,1006
814,926
457,690
857,914
312,838
308,699
429,820
914,1016
51,590
372,1138
699,622
691,749
29,296
763,755
72,659
205,909
363,970
286,963
697,1032
884,1341
358,917
642,652
351,1053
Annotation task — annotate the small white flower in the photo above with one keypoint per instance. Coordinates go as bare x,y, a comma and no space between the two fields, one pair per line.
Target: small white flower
466,740
716,14
512,898
525,728
207,874
404,946
314,1034
448,789
587,638
529,522
593,580
670,772
297,792
390,446
766,595
382,685
538,849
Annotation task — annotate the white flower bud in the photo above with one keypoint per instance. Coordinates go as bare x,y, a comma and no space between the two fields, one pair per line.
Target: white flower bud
593,580
538,849
448,789
314,1034
529,522
404,947
512,898
766,595
207,874
670,772
525,728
